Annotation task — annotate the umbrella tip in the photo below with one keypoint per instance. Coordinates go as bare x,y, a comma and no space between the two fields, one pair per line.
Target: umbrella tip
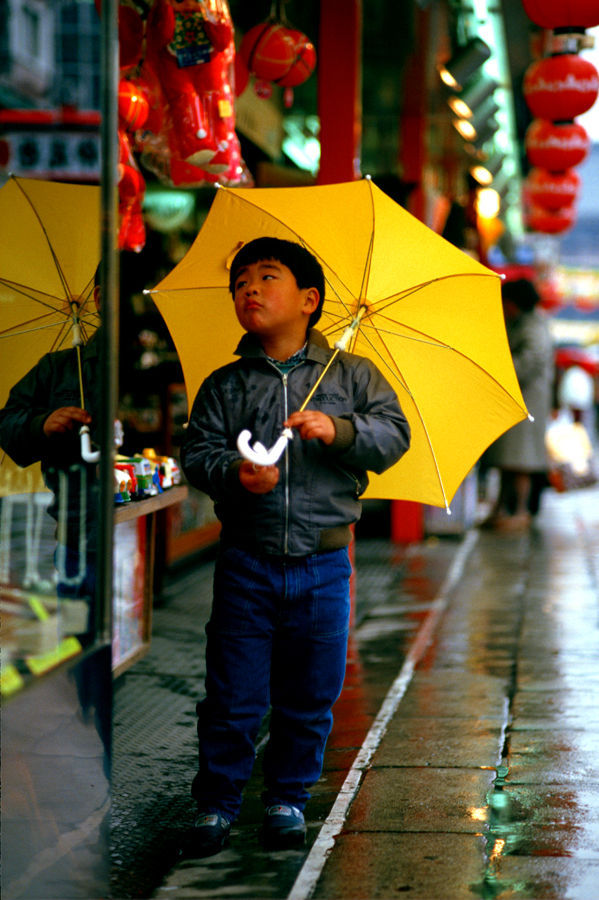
368,177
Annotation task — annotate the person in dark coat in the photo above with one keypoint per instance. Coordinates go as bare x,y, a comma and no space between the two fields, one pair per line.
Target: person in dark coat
520,454
40,422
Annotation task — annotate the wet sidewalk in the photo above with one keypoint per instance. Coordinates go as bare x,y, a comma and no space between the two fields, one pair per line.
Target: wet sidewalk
463,761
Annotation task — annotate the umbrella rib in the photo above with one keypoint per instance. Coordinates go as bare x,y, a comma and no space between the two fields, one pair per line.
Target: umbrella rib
300,239
61,274
25,292
399,376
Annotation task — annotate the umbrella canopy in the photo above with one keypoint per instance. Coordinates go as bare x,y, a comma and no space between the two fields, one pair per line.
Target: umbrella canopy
432,319
48,257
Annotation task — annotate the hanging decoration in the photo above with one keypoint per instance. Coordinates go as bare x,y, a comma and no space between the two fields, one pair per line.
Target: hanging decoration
552,190
550,222
557,88
560,87
556,146
276,53
133,112
574,14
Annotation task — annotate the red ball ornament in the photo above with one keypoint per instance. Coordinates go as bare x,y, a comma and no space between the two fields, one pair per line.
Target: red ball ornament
556,146
574,14
303,63
539,219
552,190
560,87
133,105
268,50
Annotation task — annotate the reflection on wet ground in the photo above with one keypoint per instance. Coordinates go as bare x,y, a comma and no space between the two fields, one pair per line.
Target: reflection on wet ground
485,782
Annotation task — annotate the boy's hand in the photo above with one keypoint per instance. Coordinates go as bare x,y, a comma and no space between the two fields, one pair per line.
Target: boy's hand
258,479
313,424
65,419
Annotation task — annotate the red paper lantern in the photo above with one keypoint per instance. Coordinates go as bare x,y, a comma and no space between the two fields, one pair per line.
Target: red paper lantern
268,50
560,87
303,62
133,105
574,14
556,146
552,190
539,219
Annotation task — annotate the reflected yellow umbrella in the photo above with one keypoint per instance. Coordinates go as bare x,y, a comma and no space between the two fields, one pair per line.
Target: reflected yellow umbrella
426,313
49,253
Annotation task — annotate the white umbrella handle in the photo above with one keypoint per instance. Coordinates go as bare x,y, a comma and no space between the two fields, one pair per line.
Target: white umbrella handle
87,454
258,454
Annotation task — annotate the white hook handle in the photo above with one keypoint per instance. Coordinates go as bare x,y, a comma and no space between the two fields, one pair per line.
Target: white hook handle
258,454
89,455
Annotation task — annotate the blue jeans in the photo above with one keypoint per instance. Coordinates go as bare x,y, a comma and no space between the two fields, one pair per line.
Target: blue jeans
277,637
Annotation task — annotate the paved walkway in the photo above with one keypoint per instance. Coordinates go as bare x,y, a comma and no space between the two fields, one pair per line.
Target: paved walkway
463,762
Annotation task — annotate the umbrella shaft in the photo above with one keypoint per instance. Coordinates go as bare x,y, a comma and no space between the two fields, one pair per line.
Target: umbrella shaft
80,371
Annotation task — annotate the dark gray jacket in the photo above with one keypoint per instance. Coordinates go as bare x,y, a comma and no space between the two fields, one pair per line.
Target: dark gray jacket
317,496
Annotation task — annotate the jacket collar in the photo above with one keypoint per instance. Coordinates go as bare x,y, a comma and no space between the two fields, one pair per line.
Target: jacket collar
317,350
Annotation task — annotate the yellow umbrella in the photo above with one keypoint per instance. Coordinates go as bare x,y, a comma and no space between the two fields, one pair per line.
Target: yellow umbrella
49,253
426,313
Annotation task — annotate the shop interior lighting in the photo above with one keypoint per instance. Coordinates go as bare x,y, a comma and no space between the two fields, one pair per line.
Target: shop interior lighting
487,203
456,71
472,97
486,172
472,129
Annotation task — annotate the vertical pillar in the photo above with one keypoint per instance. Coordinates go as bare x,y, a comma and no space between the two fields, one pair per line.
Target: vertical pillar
339,90
340,113
407,518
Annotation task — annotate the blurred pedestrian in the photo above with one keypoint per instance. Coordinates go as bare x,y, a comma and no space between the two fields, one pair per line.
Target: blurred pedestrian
520,454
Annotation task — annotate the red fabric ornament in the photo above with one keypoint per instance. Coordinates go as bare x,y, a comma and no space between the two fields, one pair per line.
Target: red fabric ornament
547,222
133,105
268,50
132,186
560,87
556,146
303,63
552,190
575,14
131,34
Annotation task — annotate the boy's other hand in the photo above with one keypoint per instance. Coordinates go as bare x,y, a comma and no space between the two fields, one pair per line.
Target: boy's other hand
65,419
311,423
258,479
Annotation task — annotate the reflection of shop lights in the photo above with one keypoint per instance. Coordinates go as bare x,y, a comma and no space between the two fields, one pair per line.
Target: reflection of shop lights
166,210
464,63
478,814
476,128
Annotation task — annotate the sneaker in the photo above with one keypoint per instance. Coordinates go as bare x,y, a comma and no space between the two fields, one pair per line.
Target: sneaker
284,826
209,834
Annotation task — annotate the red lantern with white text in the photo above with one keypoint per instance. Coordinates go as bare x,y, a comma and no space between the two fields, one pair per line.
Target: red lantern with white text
548,222
560,87
552,190
556,145
575,14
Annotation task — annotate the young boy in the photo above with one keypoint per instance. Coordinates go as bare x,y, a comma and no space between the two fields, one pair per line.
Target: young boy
277,635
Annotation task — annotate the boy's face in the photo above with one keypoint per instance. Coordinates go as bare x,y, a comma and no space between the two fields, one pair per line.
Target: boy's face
268,301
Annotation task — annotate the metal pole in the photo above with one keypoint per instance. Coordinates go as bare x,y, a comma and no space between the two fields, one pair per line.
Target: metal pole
109,283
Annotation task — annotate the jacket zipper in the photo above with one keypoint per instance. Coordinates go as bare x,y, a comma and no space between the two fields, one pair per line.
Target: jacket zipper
286,493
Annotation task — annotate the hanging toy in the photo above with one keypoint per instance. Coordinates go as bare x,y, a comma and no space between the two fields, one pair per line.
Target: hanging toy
276,53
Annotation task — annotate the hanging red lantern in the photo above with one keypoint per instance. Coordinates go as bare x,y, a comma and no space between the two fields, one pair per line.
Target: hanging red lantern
556,145
303,62
552,190
268,50
575,14
560,87
548,222
133,105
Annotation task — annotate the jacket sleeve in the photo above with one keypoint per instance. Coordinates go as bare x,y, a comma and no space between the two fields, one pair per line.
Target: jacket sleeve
23,417
382,432
209,455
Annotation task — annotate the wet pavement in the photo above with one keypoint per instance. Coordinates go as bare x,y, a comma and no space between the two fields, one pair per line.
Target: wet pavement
464,759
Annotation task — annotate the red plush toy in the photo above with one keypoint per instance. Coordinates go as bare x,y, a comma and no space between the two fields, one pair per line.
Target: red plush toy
189,46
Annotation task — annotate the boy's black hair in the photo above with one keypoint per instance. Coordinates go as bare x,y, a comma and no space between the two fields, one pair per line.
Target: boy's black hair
304,266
